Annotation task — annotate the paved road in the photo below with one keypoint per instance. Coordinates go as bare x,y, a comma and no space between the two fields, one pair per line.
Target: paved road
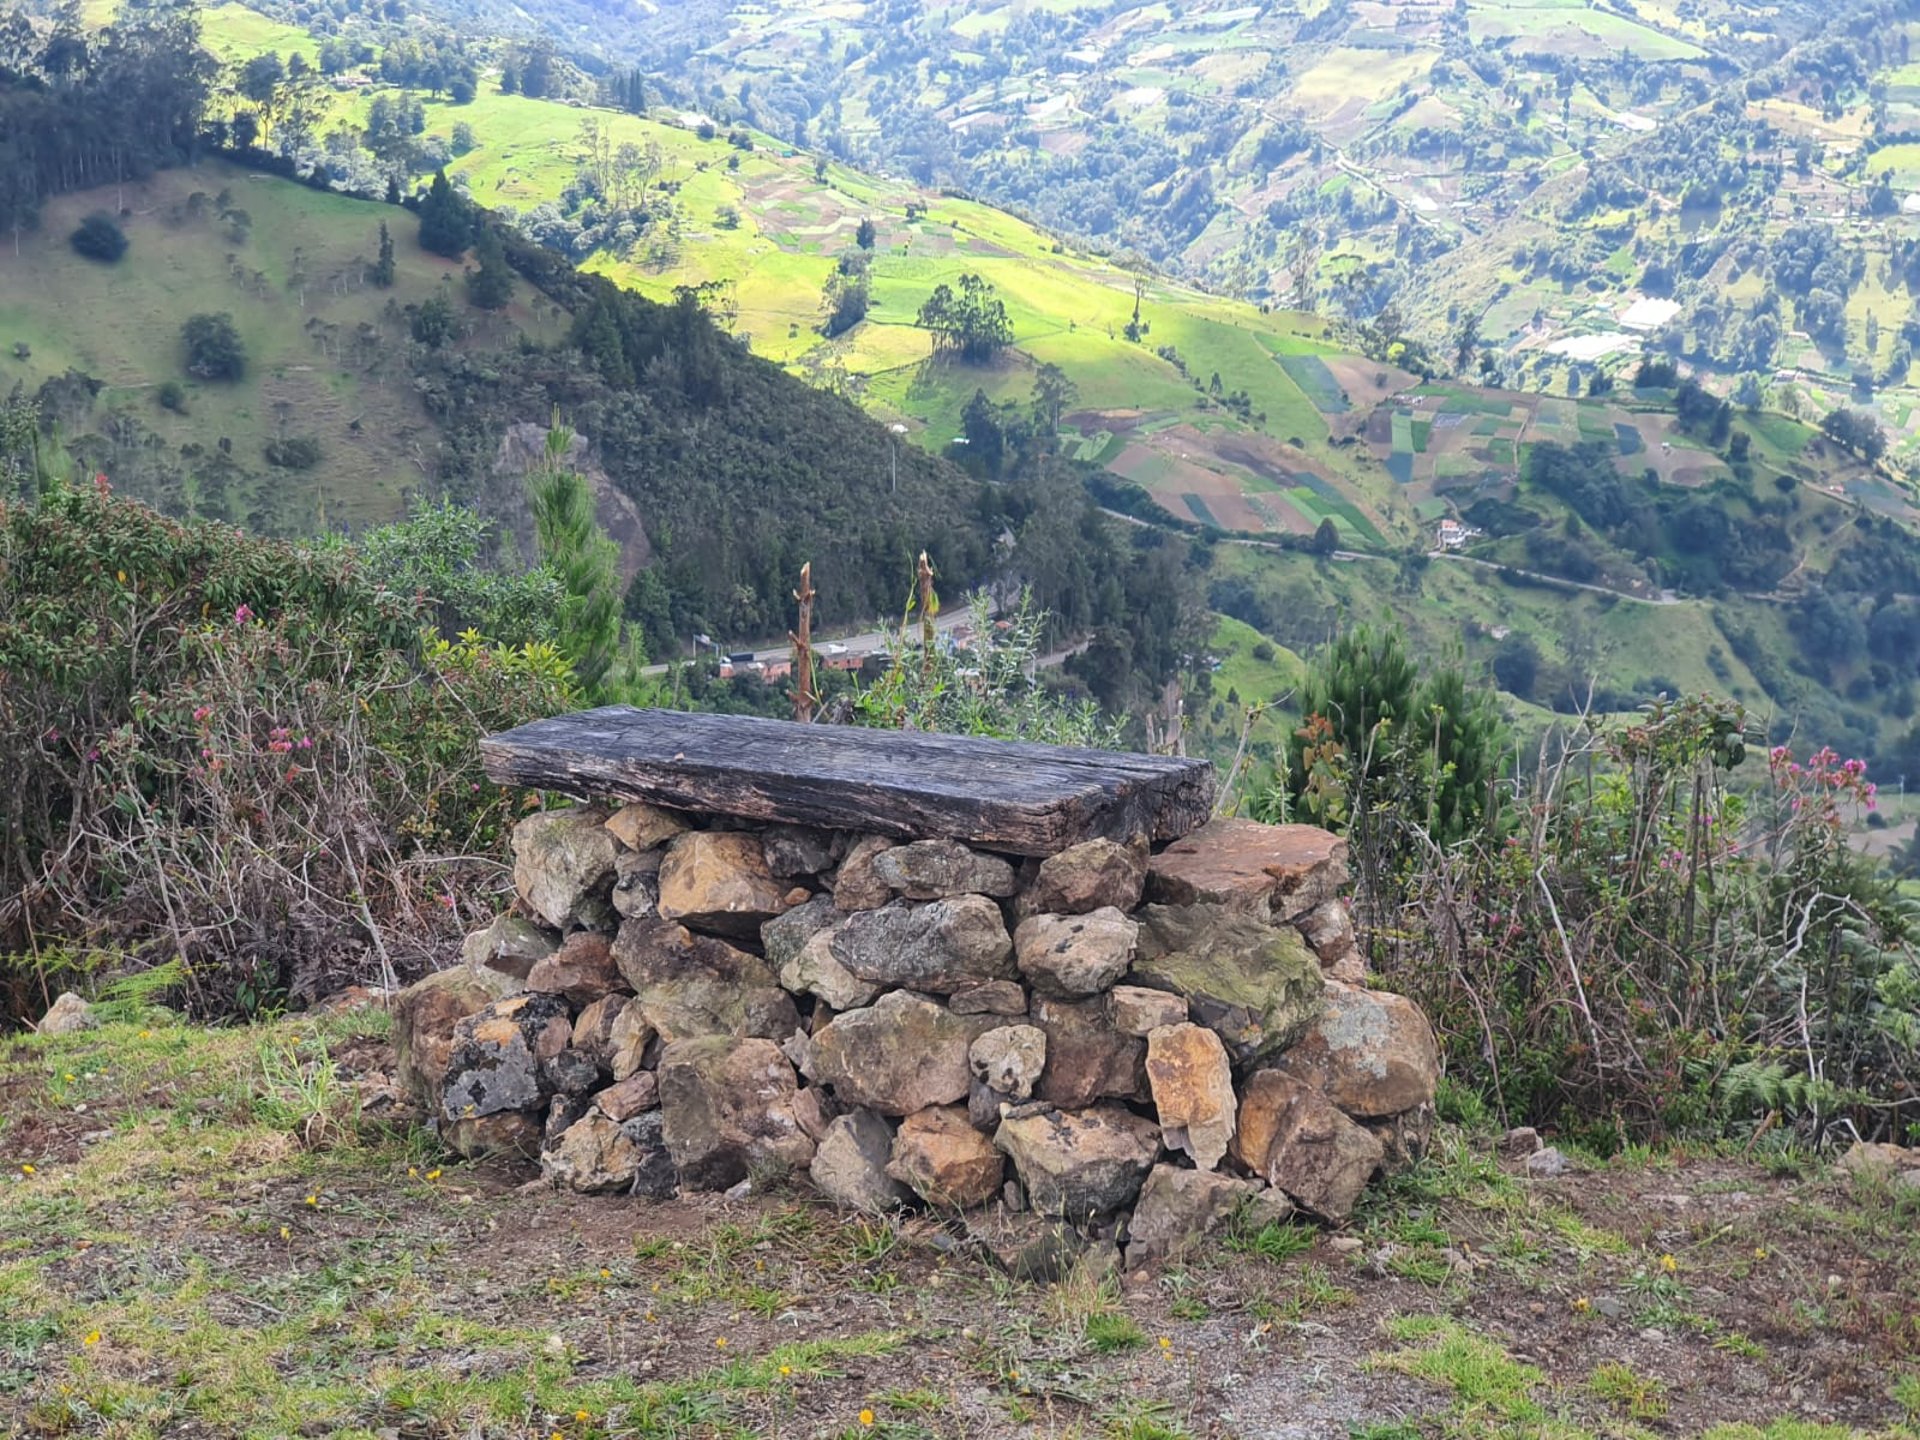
867,642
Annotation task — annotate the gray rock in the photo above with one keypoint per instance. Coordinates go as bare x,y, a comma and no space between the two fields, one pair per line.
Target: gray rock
498,1053
1178,1208
1095,875
621,1102
571,1072
1547,1164
1069,956
815,971
938,947
947,1162
561,859
1087,1059
1078,1164
989,997
631,1042
858,886
636,884
425,1016
68,1015
728,1111
1254,983
510,945
1135,1010
850,1166
797,851
984,1106
1034,1248
1370,1052
783,937
901,1054
687,985
1297,1140
595,1156
941,869
1010,1059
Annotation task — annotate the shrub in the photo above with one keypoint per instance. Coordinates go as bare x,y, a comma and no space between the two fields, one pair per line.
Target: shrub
238,751
99,237
295,452
213,347
172,395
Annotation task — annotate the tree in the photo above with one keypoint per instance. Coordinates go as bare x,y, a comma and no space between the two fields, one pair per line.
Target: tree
213,348
1326,539
260,77
1053,392
444,226
847,299
864,235
971,324
432,324
462,137
491,286
381,271
99,237
586,562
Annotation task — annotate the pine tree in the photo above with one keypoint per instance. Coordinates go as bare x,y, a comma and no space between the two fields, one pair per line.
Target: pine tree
381,272
444,227
491,286
393,189
587,563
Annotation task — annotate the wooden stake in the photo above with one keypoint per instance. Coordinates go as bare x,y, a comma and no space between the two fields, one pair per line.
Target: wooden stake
803,696
929,607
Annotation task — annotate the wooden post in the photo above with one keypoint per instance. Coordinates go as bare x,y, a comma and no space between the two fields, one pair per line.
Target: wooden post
929,607
802,639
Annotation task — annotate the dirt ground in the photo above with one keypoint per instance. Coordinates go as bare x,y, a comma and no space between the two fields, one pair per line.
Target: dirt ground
227,1233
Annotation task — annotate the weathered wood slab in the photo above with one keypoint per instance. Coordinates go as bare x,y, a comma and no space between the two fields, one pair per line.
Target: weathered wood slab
1026,799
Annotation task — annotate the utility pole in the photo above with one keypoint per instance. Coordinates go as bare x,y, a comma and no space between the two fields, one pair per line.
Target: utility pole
897,430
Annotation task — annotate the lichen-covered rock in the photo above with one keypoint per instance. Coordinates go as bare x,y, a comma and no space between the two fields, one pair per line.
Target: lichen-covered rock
582,970
1178,1208
1068,956
1078,1164
850,1165
940,869
945,1161
718,880
636,884
561,860
1254,983
1297,1140
1136,1010
1271,871
687,985
1087,1059
1010,1059
989,997
815,971
631,1041
797,851
498,1055
783,937
623,1101
1192,1084
595,1155
900,1054
68,1015
937,947
511,945
858,885
510,1135
1038,1249
728,1111
424,1018
1094,875
593,1029
571,1072
641,826
1371,1052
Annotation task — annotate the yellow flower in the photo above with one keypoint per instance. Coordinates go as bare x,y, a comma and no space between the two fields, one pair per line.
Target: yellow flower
27,1170
286,1232
68,1077
866,1417
121,576
93,1338
433,1174
313,1199
1166,1343
720,1342
1759,1252
146,1034
1582,1305
413,1172
606,1274
1669,1264
786,1369
582,1416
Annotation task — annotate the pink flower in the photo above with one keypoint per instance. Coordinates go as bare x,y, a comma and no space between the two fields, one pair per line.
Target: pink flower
242,615
305,743
202,712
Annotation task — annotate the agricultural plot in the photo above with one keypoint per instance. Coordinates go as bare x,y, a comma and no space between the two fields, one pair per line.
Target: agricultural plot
1574,31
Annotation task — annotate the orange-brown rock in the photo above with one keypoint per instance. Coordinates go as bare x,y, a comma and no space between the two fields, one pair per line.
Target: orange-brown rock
424,1018
582,969
1192,1083
1277,871
719,881
1297,1140
944,1160
1087,877
1371,1052
640,826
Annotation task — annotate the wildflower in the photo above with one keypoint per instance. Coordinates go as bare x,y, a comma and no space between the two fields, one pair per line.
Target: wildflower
719,1342
433,1174
786,1370
1669,1264
1166,1343
146,1034
606,1274
313,1199
286,1232
582,1416
1582,1305
1759,1252
93,1338
26,1170
413,1172
866,1417
242,614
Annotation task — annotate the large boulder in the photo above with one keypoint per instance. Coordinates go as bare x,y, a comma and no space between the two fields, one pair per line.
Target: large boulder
641,826
687,985
900,1054
1275,872
1178,1208
728,1111
718,880
1068,956
1299,1142
500,1056
857,885
940,869
511,945
945,1161
562,859
1371,1052
1087,1059
1010,1059
1192,1083
938,947
582,970
815,971
850,1165
424,1018
1078,1164
1094,875
1254,983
